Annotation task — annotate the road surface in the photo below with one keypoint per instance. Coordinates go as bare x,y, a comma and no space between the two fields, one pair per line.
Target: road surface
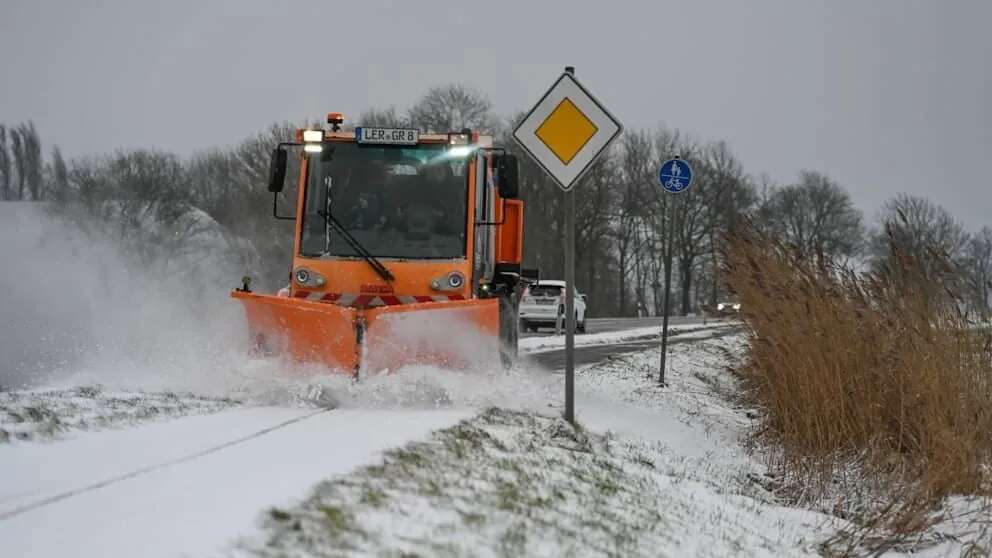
603,325
590,354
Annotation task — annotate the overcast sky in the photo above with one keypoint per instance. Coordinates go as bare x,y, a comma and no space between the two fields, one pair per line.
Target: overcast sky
885,97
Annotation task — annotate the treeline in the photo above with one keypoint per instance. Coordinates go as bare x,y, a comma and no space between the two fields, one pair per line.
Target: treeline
159,204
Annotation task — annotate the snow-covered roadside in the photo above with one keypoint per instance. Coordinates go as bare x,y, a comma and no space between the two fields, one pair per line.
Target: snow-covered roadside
556,342
507,483
652,471
52,414
188,486
699,415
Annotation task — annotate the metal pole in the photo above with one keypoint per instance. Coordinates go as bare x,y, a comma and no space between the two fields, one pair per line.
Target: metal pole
570,298
668,288
570,306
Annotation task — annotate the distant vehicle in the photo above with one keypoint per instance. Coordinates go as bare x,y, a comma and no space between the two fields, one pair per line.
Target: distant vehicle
542,303
728,307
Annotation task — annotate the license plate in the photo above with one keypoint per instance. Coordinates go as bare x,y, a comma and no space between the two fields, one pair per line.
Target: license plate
393,136
546,301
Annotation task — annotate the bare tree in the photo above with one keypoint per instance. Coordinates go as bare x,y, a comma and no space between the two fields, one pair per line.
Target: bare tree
386,118
731,194
20,160
816,216
593,196
60,176
977,264
692,233
33,163
5,165
452,107
920,241
637,160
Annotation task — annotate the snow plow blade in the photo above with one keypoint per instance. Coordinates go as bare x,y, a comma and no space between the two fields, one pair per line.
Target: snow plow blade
361,341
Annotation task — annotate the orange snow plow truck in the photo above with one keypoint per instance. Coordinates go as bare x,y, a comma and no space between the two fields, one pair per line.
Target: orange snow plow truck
407,250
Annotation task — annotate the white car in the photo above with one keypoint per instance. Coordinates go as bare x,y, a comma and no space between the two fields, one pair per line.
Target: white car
544,301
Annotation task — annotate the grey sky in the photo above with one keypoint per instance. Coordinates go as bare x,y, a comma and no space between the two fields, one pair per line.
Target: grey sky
883,96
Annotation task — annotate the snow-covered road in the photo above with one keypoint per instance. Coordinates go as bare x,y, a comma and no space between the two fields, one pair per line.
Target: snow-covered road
185,487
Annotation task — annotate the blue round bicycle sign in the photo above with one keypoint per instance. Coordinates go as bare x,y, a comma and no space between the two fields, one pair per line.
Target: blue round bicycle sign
675,176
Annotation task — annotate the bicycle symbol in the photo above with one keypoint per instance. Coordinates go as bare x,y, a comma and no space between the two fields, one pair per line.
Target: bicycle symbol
675,176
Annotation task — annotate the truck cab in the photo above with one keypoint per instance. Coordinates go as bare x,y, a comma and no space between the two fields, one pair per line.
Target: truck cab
395,221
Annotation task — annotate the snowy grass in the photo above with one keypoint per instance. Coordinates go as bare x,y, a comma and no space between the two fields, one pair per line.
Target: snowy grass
510,483
52,414
650,471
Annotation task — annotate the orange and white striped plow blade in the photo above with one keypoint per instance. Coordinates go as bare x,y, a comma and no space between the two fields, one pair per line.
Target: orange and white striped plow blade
449,333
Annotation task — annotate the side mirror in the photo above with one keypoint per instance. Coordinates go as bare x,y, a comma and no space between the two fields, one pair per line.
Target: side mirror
507,172
277,170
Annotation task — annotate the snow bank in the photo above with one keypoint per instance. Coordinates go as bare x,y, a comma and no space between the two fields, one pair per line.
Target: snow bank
47,415
511,483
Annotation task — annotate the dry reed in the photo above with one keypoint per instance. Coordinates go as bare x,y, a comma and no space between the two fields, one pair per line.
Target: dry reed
880,371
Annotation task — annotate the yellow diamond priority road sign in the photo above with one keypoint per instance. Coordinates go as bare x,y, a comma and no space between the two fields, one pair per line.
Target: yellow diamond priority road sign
567,130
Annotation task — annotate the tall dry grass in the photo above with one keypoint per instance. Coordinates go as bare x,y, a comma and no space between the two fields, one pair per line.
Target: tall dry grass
880,371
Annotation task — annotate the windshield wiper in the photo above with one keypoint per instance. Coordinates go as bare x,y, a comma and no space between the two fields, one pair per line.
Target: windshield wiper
380,269
329,220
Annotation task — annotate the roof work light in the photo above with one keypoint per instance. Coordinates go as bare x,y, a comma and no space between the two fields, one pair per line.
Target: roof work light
313,136
460,143
312,140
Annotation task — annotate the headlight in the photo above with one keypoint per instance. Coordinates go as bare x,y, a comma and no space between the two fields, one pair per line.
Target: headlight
306,278
313,136
451,282
313,148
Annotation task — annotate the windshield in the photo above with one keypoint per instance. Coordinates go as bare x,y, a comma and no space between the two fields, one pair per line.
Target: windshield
544,290
397,202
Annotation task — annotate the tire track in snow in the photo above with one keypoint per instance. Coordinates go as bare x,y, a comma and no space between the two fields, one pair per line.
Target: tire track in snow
150,468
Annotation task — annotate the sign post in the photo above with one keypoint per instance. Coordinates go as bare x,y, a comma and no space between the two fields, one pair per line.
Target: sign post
564,133
675,176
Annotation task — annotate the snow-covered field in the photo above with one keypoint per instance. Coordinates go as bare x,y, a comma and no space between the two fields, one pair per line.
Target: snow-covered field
424,462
